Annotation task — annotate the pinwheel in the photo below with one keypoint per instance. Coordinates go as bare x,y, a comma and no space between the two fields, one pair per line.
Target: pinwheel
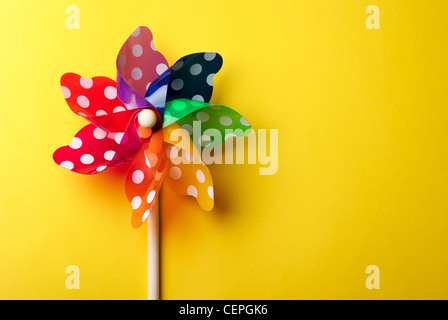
143,116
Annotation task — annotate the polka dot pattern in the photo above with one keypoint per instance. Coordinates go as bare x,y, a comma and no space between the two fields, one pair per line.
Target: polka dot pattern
151,196
136,202
137,50
198,97
67,165
66,92
145,215
220,118
177,84
195,69
76,143
225,121
209,56
87,158
86,83
192,191
145,177
110,92
200,176
91,151
156,92
99,133
138,62
161,68
90,97
138,176
187,175
175,173
145,80
179,108
202,116
187,185
195,72
82,101
210,191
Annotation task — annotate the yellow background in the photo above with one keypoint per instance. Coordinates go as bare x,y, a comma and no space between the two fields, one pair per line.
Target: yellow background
363,174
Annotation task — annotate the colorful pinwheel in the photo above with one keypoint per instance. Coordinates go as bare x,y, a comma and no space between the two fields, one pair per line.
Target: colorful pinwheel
135,118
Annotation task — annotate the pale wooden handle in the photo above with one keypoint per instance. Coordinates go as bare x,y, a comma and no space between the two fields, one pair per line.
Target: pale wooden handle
153,253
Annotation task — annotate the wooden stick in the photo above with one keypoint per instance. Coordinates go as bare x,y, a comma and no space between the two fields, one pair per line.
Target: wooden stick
153,253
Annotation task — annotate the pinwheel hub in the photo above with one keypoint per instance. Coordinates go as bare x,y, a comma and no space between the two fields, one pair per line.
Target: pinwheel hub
147,118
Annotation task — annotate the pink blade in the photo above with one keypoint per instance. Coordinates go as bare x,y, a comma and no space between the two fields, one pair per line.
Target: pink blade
93,150
138,62
96,100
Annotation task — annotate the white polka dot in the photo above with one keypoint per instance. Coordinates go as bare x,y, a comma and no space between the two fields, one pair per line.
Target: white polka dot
209,56
136,32
99,133
202,116
192,191
101,168
67,165
210,192
214,107
120,137
145,215
138,176
137,50
147,85
244,122
225,121
121,61
174,153
66,92
178,65
188,127
198,97
179,105
161,68
119,109
136,74
151,196
152,45
87,158
76,143
195,69
196,103
109,155
86,83
83,101
136,202
110,92
169,118
82,114
177,84
200,176
210,79
100,113
175,173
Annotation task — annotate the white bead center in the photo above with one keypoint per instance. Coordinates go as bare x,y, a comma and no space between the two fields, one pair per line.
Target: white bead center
147,118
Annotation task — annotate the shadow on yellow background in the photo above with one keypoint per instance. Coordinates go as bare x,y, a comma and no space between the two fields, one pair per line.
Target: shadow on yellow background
363,149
